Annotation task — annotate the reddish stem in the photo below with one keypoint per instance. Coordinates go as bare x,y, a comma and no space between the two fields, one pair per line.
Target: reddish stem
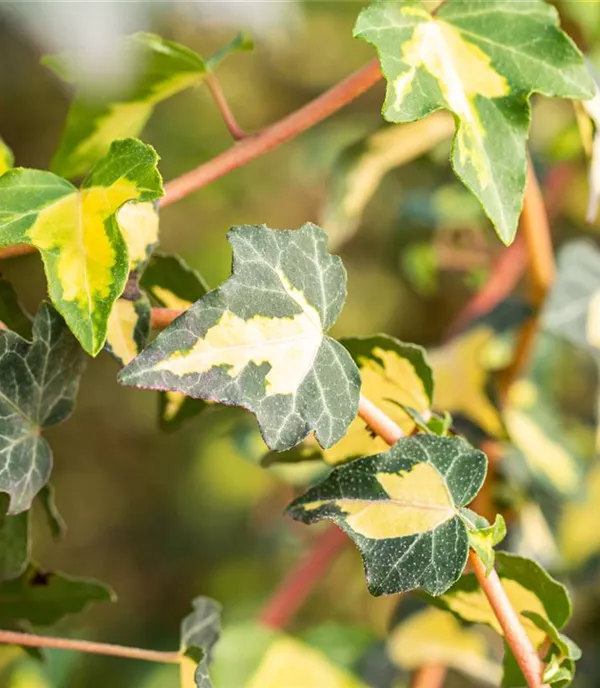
30,640
228,117
514,633
253,147
429,676
302,579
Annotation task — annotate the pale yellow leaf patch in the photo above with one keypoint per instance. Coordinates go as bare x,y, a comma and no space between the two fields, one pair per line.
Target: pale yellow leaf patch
418,502
578,531
289,663
289,345
461,378
121,330
396,379
593,321
545,456
187,669
139,225
463,72
436,637
475,607
170,299
73,228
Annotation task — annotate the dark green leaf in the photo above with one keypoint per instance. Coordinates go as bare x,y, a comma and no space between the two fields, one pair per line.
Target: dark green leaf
38,383
15,545
12,313
42,599
259,340
402,508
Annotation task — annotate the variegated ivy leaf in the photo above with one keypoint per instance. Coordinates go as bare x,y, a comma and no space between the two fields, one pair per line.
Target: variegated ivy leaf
529,587
128,327
403,509
200,630
38,386
6,157
84,251
42,598
93,123
480,59
259,340
139,225
572,309
432,636
172,283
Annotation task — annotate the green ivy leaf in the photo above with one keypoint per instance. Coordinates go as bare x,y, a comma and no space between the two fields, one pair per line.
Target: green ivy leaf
402,508
82,246
12,313
15,545
55,521
6,158
38,383
138,223
481,60
483,537
42,599
172,283
529,587
93,124
432,636
200,630
259,341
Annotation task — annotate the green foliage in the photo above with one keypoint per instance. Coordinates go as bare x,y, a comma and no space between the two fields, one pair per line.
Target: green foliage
200,630
6,157
403,509
15,545
259,340
41,598
92,125
38,382
481,60
83,248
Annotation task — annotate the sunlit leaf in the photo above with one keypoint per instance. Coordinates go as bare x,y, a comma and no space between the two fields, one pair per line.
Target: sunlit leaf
93,123
361,167
259,340
462,378
128,327
432,636
200,630
172,283
15,545
481,60
6,157
529,587
38,383
138,223
83,249
402,508
41,598
254,656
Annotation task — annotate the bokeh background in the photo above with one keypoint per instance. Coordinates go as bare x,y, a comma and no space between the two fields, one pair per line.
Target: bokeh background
165,517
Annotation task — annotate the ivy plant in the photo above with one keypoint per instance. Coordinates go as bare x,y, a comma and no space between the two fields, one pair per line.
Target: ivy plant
425,461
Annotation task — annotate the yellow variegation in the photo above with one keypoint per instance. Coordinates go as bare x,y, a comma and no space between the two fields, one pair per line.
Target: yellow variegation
139,226
416,501
6,157
461,378
84,250
433,636
290,663
128,328
389,379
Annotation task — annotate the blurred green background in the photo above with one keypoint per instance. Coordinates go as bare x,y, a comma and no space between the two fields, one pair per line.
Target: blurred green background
165,517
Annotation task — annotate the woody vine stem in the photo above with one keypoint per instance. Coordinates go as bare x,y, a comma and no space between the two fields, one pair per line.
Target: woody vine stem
301,581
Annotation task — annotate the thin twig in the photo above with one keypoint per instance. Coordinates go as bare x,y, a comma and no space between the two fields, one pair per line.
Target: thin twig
287,128
228,117
30,640
302,579
16,250
429,676
514,633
